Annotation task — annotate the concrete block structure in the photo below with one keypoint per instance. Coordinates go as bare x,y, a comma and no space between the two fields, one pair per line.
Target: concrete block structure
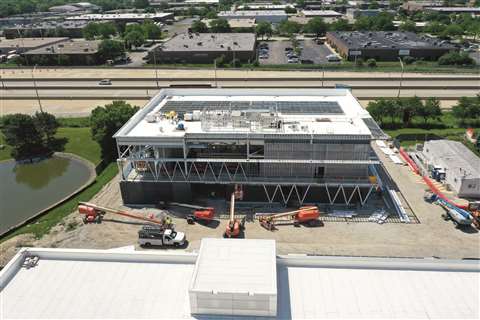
386,45
205,48
462,166
289,146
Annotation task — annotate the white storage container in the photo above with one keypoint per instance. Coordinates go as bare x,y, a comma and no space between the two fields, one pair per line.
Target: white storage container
235,277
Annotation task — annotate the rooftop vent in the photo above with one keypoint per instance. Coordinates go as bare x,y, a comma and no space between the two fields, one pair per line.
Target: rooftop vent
235,43
199,43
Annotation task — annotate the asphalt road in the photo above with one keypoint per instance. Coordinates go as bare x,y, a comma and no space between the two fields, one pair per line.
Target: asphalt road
27,83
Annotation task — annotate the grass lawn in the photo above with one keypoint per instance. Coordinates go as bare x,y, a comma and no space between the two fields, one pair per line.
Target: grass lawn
43,224
80,143
411,136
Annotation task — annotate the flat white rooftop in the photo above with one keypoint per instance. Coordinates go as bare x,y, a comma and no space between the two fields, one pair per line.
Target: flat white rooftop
236,265
318,120
68,283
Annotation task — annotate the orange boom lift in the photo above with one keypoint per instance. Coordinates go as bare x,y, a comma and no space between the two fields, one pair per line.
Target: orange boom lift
306,215
94,214
234,226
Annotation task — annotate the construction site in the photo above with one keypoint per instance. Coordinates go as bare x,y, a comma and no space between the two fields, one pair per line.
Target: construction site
308,168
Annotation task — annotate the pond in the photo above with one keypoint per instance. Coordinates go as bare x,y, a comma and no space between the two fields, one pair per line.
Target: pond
26,189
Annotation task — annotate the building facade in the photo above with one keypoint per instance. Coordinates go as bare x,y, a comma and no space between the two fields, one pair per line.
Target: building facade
386,46
277,145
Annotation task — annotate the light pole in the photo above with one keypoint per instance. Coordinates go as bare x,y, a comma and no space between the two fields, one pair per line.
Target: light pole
155,66
401,77
36,89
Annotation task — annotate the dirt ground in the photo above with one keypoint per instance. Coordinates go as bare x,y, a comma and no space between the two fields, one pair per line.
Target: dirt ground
432,237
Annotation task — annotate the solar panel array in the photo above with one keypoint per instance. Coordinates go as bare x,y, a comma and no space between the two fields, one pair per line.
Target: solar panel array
377,133
290,107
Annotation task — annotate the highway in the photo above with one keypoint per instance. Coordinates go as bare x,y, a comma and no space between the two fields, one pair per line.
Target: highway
81,89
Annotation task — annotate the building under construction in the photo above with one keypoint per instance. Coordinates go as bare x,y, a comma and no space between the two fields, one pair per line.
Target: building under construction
291,146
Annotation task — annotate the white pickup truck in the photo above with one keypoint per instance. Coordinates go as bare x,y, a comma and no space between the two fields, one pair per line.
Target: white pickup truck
160,237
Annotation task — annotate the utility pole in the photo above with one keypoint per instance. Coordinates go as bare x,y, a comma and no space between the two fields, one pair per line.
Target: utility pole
215,71
155,66
401,78
36,89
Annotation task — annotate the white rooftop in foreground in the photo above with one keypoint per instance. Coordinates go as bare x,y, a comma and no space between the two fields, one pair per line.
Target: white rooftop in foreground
235,277
69,283
347,122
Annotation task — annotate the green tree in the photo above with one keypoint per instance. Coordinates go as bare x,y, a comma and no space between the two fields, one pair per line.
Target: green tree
91,31
151,30
391,109
408,108
219,26
431,110
316,26
106,121
199,26
435,27
372,63
408,25
141,4
99,29
107,29
452,31
47,125
134,39
110,49
462,110
289,27
457,59
211,14
23,135
340,25
264,28
377,109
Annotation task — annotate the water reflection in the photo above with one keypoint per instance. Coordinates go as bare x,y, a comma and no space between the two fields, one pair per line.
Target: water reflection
38,175
26,189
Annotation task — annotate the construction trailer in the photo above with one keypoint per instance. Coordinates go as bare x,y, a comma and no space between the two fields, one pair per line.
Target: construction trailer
288,146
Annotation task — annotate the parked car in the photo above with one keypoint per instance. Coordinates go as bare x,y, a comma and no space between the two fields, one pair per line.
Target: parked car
288,49
291,55
333,58
263,56
319,41
105,82
293,60
263,45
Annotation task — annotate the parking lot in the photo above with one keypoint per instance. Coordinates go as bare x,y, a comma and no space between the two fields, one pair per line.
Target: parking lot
311,51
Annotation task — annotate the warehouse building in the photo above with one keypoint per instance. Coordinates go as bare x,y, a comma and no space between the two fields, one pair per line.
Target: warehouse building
272,16
231,278
124,17
71,29
386,45
21,45
461,167
78,52
287,146
205,48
